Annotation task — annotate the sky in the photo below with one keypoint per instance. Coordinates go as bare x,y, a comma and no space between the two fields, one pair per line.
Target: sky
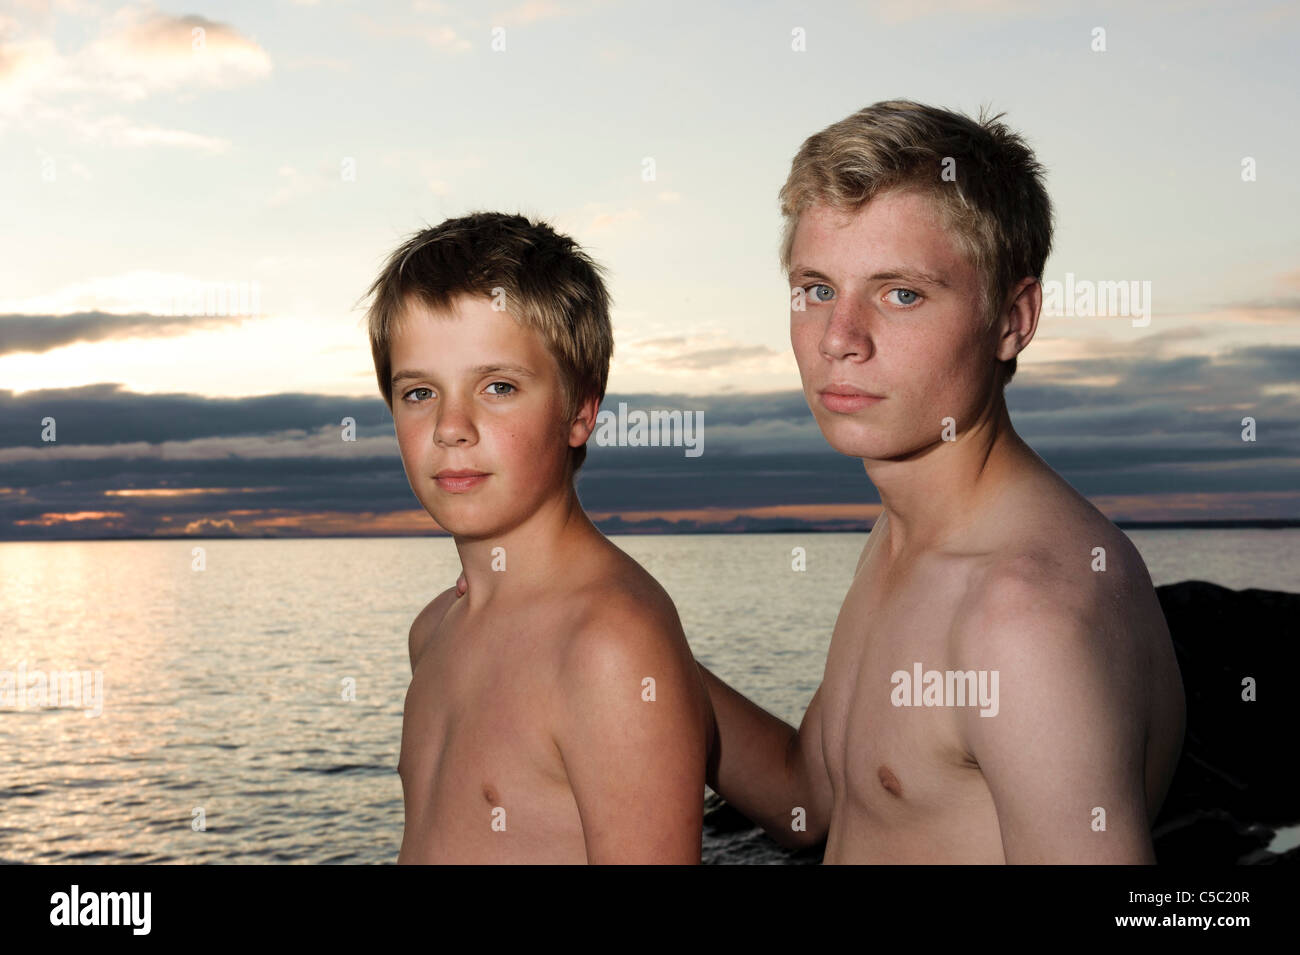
153,153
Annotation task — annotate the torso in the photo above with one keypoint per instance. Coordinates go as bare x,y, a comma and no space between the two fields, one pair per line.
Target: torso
906,787
482,777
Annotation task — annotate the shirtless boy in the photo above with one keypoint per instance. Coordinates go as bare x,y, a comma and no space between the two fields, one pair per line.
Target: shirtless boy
555,715
915,243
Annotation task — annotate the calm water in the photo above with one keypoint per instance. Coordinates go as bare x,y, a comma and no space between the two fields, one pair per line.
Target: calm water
223,689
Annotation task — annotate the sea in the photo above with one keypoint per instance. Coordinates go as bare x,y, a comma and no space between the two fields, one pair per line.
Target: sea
250,709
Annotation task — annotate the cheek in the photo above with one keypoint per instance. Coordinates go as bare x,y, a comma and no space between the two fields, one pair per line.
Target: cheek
946,368
530,438
805,339
405,435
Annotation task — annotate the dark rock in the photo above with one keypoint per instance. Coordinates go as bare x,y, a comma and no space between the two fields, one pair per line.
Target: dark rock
755,848
730,838
1234,765
720,818
1290,857
1209,836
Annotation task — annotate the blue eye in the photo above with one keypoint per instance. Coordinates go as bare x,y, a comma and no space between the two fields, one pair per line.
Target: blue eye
817,295
413,391
497,394
905,291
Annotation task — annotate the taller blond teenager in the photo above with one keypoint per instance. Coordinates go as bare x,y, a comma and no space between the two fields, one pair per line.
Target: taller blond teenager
1000,685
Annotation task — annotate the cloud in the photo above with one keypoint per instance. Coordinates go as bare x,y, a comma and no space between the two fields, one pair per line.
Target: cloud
28,65
1275,310
606,221
679,354
445,38
207,527
1167,432
137,52
898,11
710,358
42,333
117,130
294,185
140,292
142,51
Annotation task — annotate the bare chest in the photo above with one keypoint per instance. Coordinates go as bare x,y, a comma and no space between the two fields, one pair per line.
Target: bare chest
482,778
903,781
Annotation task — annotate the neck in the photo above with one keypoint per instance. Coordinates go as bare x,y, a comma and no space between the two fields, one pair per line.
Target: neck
931,496
525,558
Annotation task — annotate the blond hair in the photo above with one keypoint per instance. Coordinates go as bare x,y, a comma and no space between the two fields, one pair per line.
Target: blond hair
993,198
550,285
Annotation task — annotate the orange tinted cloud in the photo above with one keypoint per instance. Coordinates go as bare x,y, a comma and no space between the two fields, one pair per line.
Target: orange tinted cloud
52,519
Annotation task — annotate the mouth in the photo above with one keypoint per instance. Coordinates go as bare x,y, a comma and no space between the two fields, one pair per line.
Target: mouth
845,399
458,480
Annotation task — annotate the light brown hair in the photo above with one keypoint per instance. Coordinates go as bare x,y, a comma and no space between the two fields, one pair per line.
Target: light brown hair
994,201
549,284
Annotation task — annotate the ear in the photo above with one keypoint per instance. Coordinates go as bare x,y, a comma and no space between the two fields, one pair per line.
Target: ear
585,422
1017,324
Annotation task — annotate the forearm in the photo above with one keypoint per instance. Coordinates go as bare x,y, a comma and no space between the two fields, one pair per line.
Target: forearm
757,766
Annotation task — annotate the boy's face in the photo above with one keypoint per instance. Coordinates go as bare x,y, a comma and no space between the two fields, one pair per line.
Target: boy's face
485,396
873,323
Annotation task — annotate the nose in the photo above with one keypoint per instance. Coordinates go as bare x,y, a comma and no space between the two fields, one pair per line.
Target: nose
847,335
455,427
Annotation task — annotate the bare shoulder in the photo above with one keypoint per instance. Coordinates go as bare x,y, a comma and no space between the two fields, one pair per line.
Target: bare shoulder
625,626
618,591
1067,604
1079,574
426,622
1060,617
630,715
1067,687
1055,551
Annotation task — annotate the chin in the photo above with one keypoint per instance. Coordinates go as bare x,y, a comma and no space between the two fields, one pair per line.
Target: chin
459,521
475,521
853,438
460,524
872,444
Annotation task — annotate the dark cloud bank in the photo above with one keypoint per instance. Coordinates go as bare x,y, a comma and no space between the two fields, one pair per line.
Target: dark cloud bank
1168,426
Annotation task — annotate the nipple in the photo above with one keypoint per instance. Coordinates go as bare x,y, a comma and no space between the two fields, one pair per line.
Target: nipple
890,781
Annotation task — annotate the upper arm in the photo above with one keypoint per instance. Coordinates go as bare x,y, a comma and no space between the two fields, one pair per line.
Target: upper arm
807,761
632,731
1063,754
426,621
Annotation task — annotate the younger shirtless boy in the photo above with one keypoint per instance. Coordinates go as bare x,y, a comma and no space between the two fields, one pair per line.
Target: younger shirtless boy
555,715
1000,684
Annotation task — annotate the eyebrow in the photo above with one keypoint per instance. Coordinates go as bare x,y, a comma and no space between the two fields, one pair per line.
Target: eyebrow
523,372
915,276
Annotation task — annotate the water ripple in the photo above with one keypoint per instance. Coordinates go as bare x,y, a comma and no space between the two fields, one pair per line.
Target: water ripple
221,689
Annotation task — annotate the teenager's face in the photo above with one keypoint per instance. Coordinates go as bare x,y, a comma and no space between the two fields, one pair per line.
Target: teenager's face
485,395
892,310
